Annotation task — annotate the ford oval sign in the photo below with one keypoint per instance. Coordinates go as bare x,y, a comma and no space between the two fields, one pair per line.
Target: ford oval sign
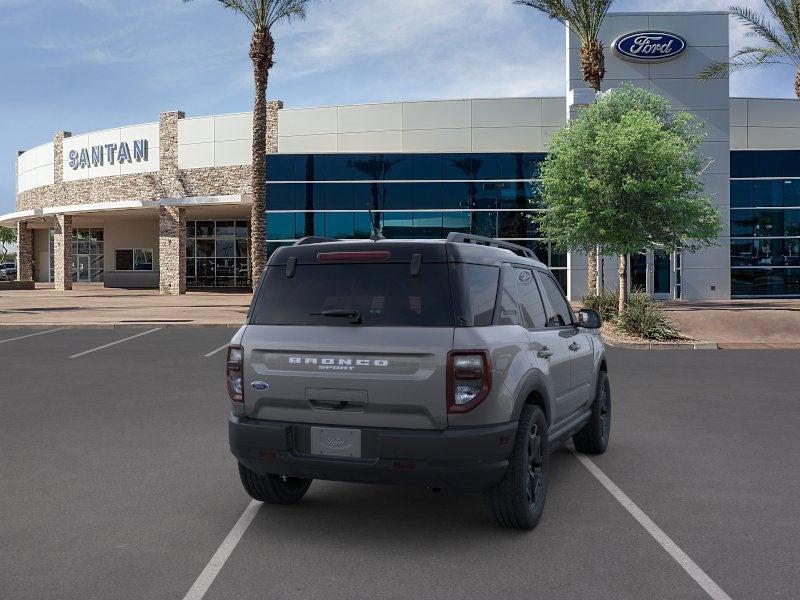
649,46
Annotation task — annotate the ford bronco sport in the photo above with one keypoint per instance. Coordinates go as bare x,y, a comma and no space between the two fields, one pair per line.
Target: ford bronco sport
453,365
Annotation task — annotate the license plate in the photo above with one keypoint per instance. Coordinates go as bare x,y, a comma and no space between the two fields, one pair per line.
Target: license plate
330,441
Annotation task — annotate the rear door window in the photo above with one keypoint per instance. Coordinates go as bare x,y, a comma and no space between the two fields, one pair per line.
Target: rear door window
384,294
561,314
530,300
475,293
509,312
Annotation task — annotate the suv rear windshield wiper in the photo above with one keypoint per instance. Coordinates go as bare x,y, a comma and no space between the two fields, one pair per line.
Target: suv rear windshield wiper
353,315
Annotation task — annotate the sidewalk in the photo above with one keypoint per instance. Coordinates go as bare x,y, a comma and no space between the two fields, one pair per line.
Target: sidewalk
90,305
740,323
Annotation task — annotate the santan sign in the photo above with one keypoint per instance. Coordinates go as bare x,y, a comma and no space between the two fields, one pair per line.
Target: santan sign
97,156
649,46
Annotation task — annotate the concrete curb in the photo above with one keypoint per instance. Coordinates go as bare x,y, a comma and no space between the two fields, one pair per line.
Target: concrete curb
663,345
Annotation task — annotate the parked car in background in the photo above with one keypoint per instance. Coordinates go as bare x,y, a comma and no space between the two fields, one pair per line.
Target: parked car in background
8,271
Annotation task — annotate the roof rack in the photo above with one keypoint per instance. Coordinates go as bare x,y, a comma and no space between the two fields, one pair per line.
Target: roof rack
314,240
466,238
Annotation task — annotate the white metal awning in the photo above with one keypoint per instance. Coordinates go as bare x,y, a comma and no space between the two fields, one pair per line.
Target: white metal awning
13,218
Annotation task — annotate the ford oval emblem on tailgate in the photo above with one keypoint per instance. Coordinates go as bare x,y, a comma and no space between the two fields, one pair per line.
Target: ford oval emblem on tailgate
259,385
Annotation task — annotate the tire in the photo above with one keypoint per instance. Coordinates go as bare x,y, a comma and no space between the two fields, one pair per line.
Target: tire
518,500
273,489
593,438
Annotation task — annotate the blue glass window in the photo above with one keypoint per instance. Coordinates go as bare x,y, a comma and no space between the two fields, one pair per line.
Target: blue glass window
281,167
426,166
282,196
768,163
363,228
280,226
768,193
742,164
398,225
741,194
400,196
468,166
340,196
428,225
765,282
426,195
455,195
339,225
791,192
458,221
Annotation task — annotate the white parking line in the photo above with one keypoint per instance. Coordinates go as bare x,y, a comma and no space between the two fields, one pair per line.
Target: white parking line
115,343
214,566
22,337
695,572
213,352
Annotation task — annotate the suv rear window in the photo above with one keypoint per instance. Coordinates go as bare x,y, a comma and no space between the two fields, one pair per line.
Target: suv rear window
383,295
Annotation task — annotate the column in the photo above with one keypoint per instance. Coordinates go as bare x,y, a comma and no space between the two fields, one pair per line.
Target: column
62,250
171,250
24,252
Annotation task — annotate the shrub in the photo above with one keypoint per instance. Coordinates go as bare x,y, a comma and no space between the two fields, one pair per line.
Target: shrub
606,303
646,318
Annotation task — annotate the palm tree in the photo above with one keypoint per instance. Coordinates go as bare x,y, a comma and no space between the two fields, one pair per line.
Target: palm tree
780,42
584,19
263,15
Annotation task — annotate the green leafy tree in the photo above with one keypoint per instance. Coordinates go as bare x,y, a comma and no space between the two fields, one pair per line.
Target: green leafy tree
778,40
263,15
626,175
584,19
8,236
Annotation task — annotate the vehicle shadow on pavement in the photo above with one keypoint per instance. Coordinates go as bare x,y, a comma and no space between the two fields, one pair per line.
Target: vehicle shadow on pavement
345,511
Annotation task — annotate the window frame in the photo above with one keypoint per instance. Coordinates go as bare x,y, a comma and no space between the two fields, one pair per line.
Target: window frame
539,273
133,260
544,301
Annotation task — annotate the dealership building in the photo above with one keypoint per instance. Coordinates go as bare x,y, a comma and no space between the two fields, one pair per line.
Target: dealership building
167,204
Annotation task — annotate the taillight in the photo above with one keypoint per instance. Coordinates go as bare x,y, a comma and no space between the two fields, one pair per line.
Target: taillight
469,379
234,373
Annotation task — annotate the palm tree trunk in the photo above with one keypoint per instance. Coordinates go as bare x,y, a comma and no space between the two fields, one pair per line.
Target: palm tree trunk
623,282
797,84
593,67
261,52
591,281
593,70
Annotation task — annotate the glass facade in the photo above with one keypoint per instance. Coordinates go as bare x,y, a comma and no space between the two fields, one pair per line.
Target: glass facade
412,196
88,262
765,223
218,254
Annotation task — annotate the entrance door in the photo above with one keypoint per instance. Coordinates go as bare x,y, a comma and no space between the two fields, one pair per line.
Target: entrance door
662,271
83,268
638,270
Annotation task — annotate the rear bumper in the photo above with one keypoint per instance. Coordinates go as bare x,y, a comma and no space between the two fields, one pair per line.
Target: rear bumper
457,459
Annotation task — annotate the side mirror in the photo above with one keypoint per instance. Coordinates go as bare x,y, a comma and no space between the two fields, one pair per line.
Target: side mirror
590,319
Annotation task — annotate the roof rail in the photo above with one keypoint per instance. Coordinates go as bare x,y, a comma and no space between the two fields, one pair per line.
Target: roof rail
466,238
312,239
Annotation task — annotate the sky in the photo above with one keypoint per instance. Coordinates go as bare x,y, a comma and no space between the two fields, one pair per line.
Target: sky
86,65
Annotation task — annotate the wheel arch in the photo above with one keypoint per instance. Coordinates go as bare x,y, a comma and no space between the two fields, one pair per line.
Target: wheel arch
534,391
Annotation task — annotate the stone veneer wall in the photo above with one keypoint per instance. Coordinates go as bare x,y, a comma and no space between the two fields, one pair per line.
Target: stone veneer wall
62,251
171,250
24,252
169,182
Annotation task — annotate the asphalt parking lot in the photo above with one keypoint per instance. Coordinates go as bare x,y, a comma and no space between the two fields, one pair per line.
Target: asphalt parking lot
116,482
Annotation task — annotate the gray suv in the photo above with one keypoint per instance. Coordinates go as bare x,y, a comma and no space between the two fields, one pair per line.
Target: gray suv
455,365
